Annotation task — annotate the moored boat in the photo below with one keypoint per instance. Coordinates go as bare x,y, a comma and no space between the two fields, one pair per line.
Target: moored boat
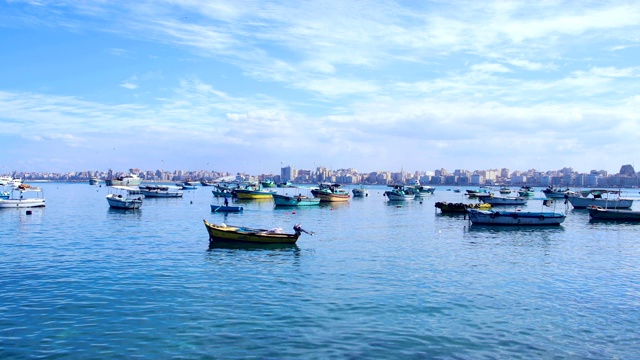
399,193
125,197
124,180
268,183
297,200
161,191
526,191
421,190
360,191
241,234
459,208
603,198
504,201
599,213
522,218
226,208
252,192
94,180
331,193
556,193
23,196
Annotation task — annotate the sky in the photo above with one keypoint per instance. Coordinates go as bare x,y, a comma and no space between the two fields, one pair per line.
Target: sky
252,86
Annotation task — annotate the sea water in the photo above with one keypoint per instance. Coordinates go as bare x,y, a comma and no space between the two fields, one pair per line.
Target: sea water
378,280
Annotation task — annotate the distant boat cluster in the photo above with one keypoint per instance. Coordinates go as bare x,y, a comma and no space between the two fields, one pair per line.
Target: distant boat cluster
127,193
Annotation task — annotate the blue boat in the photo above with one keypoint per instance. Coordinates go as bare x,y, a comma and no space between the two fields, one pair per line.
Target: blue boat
225,208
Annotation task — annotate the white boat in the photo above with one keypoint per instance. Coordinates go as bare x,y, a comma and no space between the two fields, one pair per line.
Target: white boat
360,192
125,180
399,193
161,191
23,196
504,200
125,197
94,180
609,199
522,218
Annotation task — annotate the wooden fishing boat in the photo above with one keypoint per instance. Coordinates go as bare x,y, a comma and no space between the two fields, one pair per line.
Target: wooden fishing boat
331,193
226,208
599,213
522,218
241,234
298,200
459,208
360,191
400,193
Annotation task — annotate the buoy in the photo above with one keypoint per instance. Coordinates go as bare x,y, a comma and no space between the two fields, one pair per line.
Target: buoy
28,212
191,202
293,212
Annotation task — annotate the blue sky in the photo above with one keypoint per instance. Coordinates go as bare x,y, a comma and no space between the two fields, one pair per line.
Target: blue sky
247,86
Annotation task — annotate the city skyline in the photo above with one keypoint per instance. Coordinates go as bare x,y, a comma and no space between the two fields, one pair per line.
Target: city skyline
247,86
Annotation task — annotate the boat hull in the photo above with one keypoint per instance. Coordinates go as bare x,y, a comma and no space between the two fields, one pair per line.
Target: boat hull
21,203
123,203
504,201
459,208
284,200
223,208
515,218
329,197
394,196
252,194
224,233
614,214
584,203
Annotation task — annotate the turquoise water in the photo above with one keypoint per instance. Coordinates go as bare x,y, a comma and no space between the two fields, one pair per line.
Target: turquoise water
78,280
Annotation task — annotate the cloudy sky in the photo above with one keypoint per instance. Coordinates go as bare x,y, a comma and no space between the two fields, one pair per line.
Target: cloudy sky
373,85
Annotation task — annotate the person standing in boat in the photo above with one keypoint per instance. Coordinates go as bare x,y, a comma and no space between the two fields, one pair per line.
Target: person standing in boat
226,201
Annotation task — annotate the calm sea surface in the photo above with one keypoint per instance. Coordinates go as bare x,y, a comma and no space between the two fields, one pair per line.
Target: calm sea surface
78,280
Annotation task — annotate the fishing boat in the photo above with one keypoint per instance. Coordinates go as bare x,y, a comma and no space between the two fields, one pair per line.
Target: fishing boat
125,197
252,192
187,185
505,190
241,234
23,196
504,200
609,199
360,191
399,193
286,184
421,190
268,183
226,208
94,180
297,200
459,208
327,192
523,218
556,193
161,191
599,213
526,191
205,182
124,180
